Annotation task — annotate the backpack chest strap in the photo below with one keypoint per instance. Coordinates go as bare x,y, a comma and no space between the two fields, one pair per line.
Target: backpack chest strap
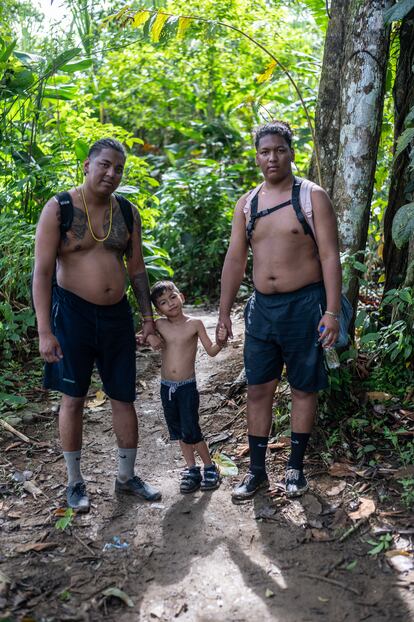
254,214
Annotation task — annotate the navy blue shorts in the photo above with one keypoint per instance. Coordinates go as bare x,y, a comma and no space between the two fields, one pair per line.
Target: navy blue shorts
283,329
88,334
180,401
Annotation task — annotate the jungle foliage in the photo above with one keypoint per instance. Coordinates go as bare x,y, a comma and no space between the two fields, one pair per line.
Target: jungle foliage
182,86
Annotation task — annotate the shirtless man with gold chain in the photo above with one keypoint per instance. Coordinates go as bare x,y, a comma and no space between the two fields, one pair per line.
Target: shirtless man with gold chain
85,318
295,305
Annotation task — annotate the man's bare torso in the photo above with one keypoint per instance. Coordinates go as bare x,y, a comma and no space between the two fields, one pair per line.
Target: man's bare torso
284,257
179,349
93,270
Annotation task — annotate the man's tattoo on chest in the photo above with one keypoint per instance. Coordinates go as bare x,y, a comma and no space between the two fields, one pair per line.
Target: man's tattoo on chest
79,223
118,238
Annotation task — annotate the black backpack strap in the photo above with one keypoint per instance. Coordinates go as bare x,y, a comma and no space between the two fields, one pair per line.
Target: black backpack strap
66,212
253,215
126,209
296,206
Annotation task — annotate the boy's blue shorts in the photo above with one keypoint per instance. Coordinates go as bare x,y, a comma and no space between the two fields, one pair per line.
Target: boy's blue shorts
88,334
180,401
283,329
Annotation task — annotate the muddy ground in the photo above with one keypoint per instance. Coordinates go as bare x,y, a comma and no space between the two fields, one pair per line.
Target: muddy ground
199,557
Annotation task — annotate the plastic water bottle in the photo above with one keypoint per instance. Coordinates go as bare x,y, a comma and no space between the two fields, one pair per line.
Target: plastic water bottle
331,355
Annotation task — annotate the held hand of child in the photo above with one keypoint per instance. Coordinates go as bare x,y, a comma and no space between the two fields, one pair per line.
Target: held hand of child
222,334
155,342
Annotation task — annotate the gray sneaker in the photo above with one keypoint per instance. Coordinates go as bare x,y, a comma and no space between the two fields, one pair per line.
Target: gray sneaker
295,482
248,487
77,497
135,486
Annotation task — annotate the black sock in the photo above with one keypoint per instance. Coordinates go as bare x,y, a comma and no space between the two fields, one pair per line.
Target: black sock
299,442
258,446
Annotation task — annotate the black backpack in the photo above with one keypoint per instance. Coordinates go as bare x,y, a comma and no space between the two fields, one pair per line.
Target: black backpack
66,218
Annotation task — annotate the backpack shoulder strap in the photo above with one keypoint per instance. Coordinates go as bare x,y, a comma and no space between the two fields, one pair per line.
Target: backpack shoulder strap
296,191
126,209
66,212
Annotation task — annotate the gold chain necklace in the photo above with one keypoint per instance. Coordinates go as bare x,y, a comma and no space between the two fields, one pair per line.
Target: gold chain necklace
89,220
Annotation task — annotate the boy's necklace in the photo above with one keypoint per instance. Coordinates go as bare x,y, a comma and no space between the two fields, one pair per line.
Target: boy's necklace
89,220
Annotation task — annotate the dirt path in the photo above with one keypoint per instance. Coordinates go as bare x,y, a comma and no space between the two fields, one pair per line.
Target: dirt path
193,558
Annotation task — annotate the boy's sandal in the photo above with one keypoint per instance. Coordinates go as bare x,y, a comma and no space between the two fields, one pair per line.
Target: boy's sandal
211,479
190,480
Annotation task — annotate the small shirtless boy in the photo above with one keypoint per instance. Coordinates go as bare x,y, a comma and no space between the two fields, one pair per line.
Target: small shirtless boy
179,395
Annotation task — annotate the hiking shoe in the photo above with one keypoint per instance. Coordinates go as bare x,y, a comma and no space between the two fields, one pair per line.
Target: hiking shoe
211,478
296,483
249,486
190,480
137,487
77,497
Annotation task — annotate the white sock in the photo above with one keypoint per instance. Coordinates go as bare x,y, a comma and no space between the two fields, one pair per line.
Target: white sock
72,459
126,463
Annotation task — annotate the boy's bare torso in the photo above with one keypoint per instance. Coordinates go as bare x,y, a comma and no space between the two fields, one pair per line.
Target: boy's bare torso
93,270
179,349
285,258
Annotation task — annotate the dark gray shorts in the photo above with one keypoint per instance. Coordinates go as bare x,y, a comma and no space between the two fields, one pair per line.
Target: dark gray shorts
282,329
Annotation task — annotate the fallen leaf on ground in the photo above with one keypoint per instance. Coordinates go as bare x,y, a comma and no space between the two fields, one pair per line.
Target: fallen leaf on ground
242,450
99,399
366,508
341,469
379,396
401,560
283,441
336,490
32,489
115,592
35,546
320,535
340,519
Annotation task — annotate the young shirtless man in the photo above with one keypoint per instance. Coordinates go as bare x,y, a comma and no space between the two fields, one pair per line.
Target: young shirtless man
87,318
297,294
180,399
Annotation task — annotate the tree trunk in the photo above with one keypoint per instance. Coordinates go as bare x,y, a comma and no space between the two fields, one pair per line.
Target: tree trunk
396,260
349,115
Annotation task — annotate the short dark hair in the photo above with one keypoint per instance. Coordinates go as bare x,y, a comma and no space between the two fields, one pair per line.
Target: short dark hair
106,143
275,127
160,287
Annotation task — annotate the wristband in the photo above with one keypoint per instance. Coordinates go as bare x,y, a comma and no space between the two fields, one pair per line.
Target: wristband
147,318
332,314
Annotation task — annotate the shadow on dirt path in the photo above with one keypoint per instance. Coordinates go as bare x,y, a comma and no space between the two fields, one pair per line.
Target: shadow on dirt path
196,558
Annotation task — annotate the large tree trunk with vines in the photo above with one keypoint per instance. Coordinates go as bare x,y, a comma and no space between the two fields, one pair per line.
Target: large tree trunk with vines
396,260
349,114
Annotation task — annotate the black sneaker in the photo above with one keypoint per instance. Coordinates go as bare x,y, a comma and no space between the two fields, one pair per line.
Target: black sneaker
211,478
135,486
190,480
296,483
77,497
249,486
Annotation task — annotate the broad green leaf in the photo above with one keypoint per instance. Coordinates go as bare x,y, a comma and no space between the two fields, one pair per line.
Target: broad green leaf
403,225
183,24
61,60
22,79
81,149
140,18
370,337
77,66
410,116
157,26
61,92
404,140
267,73
398,11
29,59
5,55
